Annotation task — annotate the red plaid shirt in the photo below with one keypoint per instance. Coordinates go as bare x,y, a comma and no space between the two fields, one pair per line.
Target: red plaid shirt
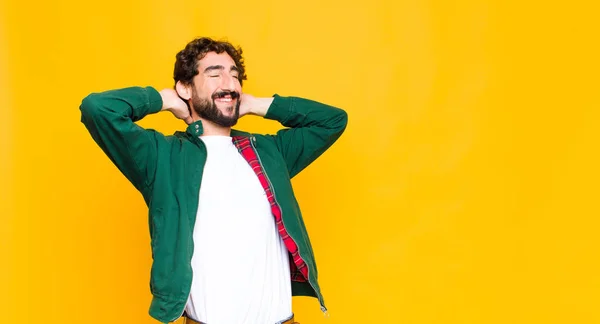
299,271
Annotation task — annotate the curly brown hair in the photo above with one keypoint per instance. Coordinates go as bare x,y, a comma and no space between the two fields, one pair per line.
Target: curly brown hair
186,65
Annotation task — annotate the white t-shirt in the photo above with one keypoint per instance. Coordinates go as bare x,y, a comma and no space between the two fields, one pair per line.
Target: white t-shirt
240,263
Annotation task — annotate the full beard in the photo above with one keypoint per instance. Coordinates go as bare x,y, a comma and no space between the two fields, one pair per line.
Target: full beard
207,109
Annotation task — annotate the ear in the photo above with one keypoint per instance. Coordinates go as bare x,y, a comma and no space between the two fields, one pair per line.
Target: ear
184,91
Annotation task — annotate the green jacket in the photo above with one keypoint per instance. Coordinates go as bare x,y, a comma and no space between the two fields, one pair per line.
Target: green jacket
167,171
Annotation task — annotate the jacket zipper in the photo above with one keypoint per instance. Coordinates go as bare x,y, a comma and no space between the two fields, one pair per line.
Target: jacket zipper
323,308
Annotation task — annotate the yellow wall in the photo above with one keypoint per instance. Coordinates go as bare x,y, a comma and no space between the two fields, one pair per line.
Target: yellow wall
465,189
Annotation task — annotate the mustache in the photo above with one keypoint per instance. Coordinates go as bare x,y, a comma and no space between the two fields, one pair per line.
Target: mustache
221,94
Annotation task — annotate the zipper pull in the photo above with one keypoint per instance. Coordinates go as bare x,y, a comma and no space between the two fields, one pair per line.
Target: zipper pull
325,313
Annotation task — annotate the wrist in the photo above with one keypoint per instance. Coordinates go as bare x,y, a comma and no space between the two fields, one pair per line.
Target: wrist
155,99
163,97
261,106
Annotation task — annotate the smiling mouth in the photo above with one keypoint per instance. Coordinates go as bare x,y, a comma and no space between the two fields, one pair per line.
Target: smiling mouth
224,99
225,96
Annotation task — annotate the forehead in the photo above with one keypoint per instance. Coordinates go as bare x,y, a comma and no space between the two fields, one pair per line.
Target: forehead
212,58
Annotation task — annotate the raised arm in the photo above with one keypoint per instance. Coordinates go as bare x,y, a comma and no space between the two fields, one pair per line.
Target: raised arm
312,127
110,118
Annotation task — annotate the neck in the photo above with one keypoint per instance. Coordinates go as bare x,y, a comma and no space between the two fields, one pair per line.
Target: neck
212,129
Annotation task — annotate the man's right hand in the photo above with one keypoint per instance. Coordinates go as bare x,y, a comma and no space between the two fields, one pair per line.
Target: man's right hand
173,103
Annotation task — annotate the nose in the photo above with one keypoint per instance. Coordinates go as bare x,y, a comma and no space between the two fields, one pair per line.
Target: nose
228,82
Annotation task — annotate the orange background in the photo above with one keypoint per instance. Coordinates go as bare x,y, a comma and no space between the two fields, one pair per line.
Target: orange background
465,189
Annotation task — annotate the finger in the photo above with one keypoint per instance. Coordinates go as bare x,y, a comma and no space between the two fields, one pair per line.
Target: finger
188,120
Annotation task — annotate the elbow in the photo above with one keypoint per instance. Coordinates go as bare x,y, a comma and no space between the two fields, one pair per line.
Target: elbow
344,117
342,120
90,106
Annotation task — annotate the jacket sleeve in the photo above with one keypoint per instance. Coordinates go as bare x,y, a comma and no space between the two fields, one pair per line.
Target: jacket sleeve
110,118
312,127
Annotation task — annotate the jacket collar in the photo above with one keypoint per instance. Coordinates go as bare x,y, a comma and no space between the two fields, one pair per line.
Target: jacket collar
195,130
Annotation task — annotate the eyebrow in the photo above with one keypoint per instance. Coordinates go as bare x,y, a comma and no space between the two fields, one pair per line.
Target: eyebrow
220,67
